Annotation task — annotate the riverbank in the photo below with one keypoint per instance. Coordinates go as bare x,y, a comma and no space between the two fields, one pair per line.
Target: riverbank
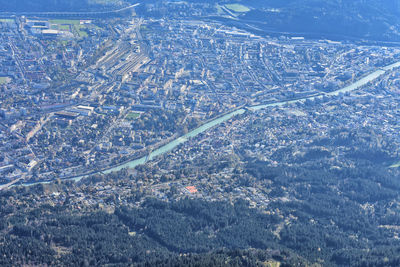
214,122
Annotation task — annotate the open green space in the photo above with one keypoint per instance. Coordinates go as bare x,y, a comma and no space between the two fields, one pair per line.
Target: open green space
7,20
71,24
219,9
4,80
65,21
81,32
237,8
395,165
63,27
63,42
132,115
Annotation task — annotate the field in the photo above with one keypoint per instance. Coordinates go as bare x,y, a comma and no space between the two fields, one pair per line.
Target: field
65,21
4,80
79,29
237,8
219,9
64,27
395,165
132,116
63,42
68,24
7,20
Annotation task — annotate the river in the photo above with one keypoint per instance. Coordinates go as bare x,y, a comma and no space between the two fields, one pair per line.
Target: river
176,142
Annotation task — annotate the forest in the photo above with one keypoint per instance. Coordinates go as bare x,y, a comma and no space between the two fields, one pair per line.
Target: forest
329,224
373,20
331,201
157,233
53,5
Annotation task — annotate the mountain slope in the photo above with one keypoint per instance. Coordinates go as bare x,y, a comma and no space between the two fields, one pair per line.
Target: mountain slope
53,5
360,19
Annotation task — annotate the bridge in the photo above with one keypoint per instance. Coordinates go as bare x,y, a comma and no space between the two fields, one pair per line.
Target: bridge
95,14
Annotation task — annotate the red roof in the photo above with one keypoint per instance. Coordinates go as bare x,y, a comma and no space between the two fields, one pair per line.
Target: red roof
191,189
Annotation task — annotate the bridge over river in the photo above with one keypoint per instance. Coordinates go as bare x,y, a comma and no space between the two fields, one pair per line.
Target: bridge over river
215,122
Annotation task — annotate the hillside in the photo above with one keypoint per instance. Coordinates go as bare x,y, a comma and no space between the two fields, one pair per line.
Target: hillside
335,19
359,19
54,5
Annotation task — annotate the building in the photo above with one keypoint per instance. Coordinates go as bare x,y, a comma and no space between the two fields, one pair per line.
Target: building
191,189
50,33
67,115
145,107
82,110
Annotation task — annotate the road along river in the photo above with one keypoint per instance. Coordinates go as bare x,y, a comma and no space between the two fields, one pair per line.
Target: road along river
176,142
